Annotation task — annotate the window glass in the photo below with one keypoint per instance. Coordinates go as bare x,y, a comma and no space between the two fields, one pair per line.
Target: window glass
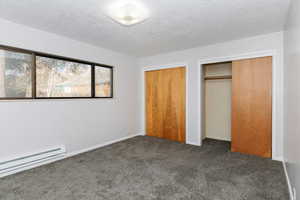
15,74
103,82
59,78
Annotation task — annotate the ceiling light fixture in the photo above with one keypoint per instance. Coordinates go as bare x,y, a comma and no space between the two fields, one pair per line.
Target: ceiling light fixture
128,13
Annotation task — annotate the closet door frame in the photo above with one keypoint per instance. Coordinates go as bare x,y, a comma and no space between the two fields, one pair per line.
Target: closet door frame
166,66
275,71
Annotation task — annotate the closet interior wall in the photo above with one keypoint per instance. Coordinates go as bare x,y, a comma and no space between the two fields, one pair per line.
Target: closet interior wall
217,100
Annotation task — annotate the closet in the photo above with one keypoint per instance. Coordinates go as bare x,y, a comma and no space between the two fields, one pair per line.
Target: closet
238,104
165,103
217,87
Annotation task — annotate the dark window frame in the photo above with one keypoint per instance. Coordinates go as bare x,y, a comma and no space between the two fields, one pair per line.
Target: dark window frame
34,54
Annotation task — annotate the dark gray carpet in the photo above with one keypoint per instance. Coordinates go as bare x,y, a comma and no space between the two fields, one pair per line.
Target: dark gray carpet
145,168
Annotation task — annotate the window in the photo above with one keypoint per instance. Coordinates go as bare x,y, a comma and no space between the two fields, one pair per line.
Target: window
103,84
60,78
27,74
15,74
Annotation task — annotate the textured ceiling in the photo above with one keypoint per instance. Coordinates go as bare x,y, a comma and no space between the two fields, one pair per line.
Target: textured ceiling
174,24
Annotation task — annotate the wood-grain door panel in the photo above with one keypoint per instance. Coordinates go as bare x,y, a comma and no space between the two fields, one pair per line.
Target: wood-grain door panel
165,103
252,106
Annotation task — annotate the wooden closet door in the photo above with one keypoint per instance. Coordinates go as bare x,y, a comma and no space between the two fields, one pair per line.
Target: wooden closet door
252,106
165,103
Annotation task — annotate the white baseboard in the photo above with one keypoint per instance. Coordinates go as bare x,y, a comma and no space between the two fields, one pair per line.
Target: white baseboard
277,158
288,181
68,155
100,145
143,133
193,143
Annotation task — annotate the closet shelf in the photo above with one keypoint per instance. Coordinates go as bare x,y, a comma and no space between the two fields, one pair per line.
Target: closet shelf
217,77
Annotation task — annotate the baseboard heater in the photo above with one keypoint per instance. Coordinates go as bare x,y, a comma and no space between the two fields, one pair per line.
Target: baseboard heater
27,161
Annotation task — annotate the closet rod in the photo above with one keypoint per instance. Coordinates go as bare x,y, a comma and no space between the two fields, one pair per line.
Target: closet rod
217,77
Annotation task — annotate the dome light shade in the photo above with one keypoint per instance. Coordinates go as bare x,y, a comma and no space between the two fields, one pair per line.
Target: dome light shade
128,13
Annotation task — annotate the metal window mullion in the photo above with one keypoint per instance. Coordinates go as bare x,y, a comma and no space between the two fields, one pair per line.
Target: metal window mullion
111,82
93,81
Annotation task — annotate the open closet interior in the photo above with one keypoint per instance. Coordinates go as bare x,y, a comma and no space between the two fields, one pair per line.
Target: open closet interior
217,98
237,104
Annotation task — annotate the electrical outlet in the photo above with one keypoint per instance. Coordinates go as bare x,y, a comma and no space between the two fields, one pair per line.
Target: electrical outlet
294,194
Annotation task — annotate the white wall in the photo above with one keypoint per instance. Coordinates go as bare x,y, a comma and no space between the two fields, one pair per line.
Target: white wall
292,95
33,125
269,42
